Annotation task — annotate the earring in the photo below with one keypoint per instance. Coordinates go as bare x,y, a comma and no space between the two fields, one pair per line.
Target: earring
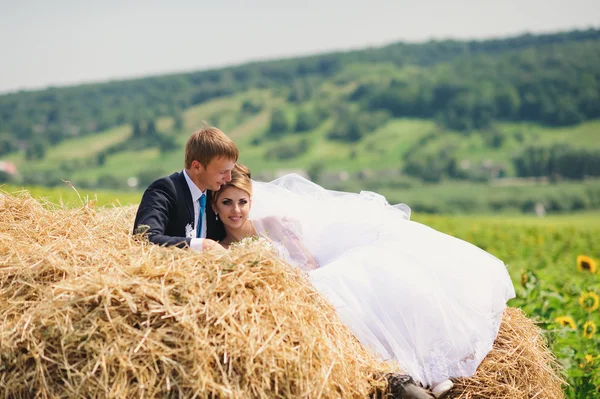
216,216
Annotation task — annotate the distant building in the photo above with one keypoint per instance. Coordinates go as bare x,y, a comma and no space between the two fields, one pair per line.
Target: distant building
133,182
331,177
8,167
540,209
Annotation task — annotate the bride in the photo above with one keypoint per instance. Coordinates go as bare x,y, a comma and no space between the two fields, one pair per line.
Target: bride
411,294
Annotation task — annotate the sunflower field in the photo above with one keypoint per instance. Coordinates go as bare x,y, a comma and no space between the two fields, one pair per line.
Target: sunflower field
554,263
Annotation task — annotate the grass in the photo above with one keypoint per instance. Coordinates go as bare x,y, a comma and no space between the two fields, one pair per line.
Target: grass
384,148
76,148
580,220
76,197
582,135
123,165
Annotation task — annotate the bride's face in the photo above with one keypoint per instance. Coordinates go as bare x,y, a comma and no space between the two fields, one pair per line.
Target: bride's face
233,207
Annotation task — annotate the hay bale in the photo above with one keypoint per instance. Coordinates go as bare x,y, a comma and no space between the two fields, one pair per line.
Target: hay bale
88,311
520,365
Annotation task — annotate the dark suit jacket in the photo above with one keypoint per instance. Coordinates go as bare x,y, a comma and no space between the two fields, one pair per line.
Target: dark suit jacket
166,209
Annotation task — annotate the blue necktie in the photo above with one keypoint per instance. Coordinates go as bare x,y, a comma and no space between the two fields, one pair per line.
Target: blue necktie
202,202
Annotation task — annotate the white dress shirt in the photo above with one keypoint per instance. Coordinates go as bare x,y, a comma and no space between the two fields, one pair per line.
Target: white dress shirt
196,243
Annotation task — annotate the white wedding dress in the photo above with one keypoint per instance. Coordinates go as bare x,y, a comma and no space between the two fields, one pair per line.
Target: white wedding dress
411,294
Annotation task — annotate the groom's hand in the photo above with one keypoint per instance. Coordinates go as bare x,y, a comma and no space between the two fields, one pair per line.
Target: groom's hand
212,245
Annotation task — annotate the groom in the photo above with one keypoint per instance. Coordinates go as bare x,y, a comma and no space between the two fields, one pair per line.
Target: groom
175,210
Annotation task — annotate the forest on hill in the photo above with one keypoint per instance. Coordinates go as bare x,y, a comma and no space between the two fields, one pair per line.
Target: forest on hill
521,107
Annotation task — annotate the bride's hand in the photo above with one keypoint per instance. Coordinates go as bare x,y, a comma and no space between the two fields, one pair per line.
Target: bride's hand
212,245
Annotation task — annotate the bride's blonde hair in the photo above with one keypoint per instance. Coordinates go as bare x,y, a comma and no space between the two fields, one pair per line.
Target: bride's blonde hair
240,178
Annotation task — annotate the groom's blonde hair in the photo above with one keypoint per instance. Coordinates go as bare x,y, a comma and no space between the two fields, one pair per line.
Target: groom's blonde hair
240,178
208,143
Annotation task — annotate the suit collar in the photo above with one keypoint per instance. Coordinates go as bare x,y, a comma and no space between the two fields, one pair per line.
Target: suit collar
194,190
185,193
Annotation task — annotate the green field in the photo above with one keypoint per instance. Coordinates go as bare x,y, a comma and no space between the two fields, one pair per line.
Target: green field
72,196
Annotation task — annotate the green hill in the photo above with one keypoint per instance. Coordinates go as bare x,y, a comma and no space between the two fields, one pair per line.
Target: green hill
396,118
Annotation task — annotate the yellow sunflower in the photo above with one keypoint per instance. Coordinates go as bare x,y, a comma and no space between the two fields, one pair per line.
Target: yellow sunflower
589,301
589,329
585,263
566,321
589,359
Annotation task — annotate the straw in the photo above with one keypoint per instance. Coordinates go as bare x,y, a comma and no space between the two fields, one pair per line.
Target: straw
88,310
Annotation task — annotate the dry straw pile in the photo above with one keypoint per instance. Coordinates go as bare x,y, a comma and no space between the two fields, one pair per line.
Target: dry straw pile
520,365
88,311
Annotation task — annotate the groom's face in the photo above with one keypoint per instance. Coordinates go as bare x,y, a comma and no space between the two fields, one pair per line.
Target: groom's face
216,173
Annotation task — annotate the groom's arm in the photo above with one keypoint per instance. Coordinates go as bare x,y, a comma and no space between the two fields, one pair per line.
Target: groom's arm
152,218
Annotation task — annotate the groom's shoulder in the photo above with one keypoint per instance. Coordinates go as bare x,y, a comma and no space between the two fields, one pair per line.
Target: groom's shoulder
166,182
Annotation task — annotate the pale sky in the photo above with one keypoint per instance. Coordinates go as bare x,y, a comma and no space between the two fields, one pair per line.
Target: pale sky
60,42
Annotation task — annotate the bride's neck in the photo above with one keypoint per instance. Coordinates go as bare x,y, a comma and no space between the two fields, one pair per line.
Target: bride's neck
238,234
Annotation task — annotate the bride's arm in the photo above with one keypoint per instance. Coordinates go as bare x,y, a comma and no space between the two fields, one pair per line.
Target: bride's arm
292,231
289,233
298,251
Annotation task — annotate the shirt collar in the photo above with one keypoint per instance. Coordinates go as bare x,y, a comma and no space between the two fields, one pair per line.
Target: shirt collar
194,190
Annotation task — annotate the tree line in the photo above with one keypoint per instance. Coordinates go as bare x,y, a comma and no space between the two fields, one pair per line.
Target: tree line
553,79
556,85
558,161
